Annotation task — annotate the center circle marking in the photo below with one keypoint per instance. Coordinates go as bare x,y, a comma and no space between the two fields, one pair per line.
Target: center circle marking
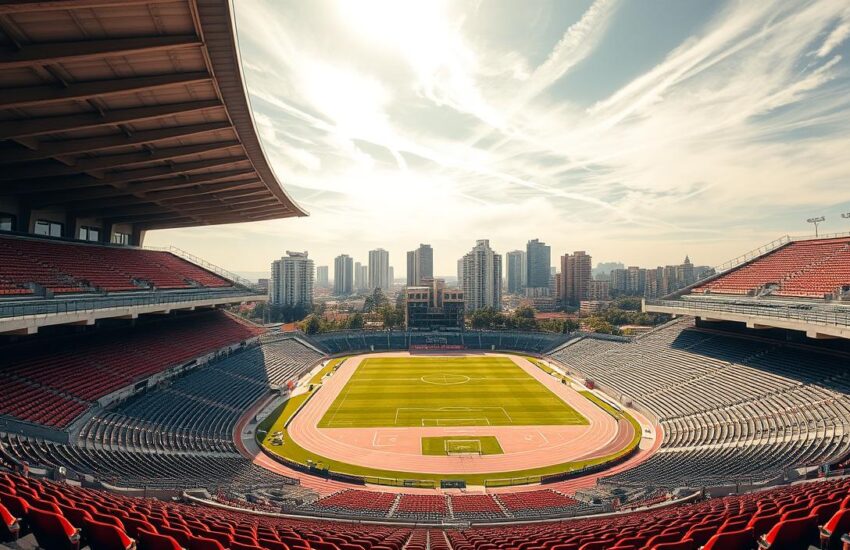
445,379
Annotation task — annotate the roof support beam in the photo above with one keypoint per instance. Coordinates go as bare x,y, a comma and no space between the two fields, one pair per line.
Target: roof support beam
26,6
219,191
59,52
101,143
128,199
45,95
97,165
13,129
84,195
215,206
118,179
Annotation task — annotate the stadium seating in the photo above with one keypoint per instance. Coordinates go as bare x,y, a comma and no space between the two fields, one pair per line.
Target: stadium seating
353,341
542,503
66,267
145,469
422,507
731,408
801,268
53,383
476,507
362,503
197,412
723,523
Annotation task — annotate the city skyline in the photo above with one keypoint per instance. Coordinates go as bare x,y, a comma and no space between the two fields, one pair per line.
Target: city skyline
653,130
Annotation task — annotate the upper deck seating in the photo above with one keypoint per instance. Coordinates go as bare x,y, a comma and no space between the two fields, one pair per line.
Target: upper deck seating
67,267
801,268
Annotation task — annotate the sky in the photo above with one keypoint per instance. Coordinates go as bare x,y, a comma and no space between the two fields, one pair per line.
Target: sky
637,131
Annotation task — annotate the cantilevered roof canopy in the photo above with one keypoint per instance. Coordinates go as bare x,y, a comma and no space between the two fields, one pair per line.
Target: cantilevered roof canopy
134,111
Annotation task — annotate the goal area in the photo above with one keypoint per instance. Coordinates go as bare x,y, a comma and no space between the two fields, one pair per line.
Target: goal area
462,447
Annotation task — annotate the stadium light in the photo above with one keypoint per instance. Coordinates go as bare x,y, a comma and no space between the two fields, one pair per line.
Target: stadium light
816,221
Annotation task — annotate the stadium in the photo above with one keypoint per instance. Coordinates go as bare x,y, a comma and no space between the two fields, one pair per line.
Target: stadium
137,411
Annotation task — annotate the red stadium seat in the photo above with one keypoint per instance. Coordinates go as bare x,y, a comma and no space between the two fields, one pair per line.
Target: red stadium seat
9,527
106,536
792,534
201,543
838,525
52,531
155,541
733,540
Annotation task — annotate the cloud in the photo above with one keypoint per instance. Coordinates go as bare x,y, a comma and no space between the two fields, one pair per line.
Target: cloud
400,122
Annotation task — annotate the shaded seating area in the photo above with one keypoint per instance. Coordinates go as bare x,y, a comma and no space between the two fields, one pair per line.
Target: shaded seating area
198,411
52,383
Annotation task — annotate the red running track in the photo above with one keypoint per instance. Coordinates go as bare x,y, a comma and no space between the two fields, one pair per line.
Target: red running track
615,438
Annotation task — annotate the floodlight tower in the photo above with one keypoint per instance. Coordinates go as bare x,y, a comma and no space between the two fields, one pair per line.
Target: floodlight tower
816,221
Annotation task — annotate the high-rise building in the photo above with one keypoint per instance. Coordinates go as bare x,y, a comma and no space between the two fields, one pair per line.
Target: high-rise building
364,278
599,291
392,277
516,271
322,280
359,283
420,264
343,275
575,277
538,257
482,277
379,269
291,282
411,268
460,273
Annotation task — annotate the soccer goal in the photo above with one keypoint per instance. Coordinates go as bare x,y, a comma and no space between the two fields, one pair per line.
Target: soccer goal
462,446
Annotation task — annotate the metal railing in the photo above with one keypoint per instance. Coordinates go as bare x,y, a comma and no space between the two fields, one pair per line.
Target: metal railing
241,281
92,304
835,316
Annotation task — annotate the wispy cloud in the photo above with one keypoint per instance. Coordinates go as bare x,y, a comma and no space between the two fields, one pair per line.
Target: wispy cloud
399,122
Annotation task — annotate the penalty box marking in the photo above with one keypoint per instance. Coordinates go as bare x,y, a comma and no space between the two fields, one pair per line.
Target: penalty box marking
450,410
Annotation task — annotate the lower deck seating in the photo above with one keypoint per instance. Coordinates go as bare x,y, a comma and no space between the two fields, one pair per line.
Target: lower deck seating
141,469
541,504
197,412
476,507
353,501
787,517
52,383
422,507
731,408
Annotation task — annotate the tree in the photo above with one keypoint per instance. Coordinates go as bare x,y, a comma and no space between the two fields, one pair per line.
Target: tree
391,316
597,324
311,325
374,301
356,322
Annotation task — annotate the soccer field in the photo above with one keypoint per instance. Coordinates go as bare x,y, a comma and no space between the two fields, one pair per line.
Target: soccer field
445,392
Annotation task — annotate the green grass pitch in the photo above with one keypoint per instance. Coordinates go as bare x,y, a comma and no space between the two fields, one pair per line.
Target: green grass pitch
477,444
445,392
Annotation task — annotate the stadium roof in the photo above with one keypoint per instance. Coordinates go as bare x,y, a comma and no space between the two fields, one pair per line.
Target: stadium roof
134,111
